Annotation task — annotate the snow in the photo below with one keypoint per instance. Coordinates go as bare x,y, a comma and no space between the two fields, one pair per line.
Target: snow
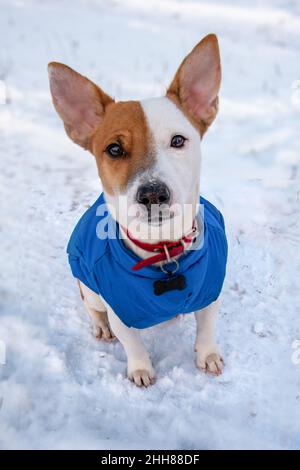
60,388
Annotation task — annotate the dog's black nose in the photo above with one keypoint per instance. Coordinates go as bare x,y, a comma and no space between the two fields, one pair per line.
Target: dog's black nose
154,192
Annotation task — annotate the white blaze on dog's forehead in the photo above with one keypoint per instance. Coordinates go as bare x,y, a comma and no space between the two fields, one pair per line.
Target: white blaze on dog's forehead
164,117
179,168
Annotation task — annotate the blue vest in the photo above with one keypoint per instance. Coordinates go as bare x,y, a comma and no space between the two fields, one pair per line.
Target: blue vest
104,265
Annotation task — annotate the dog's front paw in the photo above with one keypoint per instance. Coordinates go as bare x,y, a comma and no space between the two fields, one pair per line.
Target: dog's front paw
141,372
142,377
209,360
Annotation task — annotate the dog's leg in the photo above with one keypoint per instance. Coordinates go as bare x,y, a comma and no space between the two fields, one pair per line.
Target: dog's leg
207,354
97,311
139,366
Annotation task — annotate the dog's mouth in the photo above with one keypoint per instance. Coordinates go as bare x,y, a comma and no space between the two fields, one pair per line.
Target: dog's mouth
160,219
157,215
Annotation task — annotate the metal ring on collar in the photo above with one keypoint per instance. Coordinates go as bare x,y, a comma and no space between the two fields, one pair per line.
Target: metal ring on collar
167,271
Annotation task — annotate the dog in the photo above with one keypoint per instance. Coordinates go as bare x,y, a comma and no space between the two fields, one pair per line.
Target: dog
148,155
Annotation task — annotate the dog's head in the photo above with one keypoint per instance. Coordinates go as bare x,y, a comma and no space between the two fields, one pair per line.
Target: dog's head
147,152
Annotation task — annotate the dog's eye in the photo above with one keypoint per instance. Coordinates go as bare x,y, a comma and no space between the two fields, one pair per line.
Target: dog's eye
115,150
178,141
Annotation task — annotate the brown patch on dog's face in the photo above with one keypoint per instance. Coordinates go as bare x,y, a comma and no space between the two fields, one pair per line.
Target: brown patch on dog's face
94,120
124,123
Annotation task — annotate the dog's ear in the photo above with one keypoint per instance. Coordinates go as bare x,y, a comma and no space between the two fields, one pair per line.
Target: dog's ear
79,102
197,82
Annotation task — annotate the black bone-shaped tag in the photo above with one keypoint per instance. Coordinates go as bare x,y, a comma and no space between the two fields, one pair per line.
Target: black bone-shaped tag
173,283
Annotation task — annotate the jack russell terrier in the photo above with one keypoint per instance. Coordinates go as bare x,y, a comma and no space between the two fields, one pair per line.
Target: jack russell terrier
148,249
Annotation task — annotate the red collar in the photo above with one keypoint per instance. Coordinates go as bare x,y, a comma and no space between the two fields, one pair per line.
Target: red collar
166,249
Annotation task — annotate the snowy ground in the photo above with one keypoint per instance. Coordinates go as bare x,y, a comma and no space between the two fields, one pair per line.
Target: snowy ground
60,388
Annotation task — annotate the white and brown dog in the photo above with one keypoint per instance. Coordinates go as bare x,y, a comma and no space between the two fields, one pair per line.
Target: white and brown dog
149,152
